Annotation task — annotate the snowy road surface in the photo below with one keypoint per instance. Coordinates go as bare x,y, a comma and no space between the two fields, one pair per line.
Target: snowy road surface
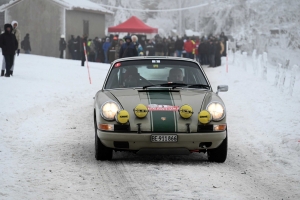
47,141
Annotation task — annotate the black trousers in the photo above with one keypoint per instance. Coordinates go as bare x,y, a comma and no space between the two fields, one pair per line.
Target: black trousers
82,59
9,61
61,54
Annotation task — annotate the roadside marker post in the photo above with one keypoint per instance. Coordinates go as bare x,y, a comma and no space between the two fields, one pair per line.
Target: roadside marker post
227,56
87,63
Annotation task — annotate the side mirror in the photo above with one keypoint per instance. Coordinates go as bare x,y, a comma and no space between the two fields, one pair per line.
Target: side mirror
222,88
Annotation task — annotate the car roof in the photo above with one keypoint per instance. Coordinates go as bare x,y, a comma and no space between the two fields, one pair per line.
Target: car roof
154,57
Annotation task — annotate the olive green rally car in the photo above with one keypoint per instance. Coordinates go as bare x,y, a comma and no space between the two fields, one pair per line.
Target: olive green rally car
159,105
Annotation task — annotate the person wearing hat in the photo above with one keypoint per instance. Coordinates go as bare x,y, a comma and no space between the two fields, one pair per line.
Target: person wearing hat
17,33
62,46
128,49
9,45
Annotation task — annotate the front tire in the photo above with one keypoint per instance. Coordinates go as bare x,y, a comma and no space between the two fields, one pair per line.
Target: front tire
219,154
101,151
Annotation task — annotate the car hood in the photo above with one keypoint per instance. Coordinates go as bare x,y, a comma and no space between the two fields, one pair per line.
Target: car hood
129,99
168,119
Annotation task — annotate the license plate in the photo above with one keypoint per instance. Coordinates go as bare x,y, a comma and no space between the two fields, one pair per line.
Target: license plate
164,138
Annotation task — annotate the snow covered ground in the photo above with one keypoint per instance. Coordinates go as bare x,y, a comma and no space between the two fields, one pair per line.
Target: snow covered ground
47,140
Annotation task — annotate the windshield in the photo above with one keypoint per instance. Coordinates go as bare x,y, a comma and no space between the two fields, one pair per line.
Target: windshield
145,73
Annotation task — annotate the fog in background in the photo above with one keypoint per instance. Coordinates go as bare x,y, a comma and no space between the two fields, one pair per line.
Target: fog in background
265,25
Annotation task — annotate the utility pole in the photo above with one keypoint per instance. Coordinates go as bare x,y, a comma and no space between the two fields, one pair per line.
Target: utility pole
179,31
197,21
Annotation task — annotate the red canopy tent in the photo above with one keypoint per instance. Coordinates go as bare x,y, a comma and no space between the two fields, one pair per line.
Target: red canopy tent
133,25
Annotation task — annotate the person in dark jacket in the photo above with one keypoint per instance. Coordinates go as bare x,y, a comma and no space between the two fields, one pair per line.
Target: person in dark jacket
179,46
83,40
150,48
97,46
217,53
128,49
101,52
71,47
159,47
9,45
206,52
165,47
212,51
62,46
201,53
25,44
171,47
76,48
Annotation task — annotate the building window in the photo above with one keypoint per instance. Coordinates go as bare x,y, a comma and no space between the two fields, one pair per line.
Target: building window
86,27
2,20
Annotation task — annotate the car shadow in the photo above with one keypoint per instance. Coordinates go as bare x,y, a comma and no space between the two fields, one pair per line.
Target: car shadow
85,152
193,158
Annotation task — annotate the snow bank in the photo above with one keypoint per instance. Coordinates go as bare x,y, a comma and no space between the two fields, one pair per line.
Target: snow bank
47,140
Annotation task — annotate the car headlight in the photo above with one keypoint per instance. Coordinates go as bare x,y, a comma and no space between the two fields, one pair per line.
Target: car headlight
217,110
109,110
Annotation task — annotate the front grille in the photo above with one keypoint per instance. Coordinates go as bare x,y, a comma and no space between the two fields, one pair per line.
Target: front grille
205,128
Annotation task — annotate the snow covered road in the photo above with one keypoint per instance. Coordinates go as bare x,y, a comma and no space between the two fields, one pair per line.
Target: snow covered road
47,142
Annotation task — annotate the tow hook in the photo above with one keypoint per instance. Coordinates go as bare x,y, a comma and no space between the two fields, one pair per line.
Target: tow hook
139,128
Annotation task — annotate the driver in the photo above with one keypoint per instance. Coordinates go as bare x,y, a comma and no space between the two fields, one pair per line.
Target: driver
131,77
175,75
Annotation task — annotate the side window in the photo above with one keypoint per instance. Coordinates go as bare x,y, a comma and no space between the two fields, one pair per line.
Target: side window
113,79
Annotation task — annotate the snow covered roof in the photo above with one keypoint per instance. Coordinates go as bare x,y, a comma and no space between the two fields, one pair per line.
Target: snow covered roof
191,33
86,5
83,5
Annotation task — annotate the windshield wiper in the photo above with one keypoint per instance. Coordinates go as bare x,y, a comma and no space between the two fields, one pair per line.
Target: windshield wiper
194,86
173,85
198,86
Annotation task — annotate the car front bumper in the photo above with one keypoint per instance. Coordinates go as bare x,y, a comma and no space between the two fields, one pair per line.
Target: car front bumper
190,141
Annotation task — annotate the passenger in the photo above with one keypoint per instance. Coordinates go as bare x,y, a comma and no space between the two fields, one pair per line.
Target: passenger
175,75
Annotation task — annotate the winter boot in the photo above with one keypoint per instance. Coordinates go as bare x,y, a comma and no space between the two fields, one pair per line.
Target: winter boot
2,72
11,73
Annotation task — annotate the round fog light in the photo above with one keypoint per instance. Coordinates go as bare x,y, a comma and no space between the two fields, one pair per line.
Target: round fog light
186,111
204,117
140,111
122,117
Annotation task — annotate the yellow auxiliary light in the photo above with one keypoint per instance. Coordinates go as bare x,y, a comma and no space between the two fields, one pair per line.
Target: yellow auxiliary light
186,111
140,111
122,117
204,117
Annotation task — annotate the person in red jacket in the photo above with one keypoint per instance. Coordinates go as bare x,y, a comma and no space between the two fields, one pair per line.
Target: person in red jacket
189,46
197,43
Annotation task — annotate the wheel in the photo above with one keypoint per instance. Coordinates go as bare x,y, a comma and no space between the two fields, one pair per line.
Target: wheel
219,154
101,151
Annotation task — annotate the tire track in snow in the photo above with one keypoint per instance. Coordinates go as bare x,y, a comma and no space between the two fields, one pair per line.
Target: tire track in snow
117,180
120,181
